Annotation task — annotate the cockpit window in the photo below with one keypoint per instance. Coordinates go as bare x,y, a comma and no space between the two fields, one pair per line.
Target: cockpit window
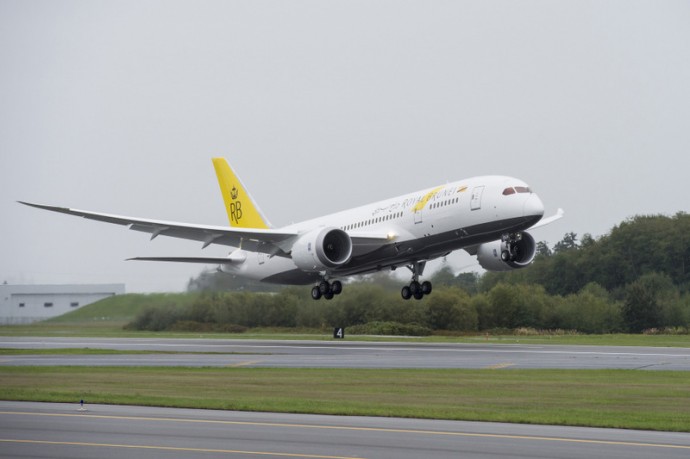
523,189
508,191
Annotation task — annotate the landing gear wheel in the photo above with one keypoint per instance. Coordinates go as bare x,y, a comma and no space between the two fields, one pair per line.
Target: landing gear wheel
324,287
505,256
406,293
415,288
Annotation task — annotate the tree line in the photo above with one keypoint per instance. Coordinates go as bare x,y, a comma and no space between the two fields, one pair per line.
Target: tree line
648,304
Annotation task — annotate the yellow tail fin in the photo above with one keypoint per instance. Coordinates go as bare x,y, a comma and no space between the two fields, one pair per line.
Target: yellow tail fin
242,212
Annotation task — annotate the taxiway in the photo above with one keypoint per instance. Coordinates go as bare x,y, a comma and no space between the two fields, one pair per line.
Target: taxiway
108,432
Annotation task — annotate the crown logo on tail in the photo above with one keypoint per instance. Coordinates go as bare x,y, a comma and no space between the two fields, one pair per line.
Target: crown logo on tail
233,193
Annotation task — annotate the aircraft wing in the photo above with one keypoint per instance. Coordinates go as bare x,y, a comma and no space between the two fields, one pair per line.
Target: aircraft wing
272,242
254,240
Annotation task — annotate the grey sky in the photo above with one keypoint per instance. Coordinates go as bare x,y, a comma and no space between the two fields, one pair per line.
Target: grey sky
320,106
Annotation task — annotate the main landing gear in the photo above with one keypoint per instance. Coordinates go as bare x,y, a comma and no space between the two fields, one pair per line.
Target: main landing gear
327,289
415,289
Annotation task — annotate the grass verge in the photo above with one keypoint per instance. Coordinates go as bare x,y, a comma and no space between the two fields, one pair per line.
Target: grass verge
113,329
655,400
90,351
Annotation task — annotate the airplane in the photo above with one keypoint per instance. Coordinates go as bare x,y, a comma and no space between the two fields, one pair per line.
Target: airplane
486,216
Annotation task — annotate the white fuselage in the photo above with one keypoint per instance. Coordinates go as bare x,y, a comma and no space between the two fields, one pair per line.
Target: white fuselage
420,226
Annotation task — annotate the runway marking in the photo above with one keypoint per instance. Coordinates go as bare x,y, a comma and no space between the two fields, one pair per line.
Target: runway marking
172,448
363,429
498,366
243,364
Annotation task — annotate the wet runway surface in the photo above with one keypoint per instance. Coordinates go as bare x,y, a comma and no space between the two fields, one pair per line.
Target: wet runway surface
344,354
60,430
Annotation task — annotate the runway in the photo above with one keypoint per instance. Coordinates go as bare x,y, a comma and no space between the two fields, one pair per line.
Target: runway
60,430
345,354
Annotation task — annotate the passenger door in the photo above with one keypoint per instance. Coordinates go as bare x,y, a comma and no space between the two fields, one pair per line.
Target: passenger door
476,199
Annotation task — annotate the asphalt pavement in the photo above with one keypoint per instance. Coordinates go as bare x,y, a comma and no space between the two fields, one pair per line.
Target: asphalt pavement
346,354
107,432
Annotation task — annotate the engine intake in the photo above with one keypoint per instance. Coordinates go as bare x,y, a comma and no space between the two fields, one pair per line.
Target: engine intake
505,255
321,249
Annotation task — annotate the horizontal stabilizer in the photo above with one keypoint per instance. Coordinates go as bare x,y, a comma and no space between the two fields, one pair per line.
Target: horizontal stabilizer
203,260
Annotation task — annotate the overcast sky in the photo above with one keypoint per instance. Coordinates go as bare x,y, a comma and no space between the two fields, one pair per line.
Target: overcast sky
321,106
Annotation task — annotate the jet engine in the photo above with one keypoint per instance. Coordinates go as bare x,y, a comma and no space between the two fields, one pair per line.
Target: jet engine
513,251
321,249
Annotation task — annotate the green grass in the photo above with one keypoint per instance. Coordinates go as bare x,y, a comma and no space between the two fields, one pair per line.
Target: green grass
70,351
656,400
123,308
113,329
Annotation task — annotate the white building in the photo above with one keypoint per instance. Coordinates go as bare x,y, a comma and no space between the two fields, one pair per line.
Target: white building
23,304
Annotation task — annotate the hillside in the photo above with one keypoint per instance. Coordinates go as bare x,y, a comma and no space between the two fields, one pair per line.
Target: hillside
123,308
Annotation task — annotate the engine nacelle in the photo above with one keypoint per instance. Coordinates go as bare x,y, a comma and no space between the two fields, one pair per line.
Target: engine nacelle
506,255
321,249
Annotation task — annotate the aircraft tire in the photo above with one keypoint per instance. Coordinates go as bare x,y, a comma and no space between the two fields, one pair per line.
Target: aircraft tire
426,287
316,293
415,287
337,287
406,293
324,287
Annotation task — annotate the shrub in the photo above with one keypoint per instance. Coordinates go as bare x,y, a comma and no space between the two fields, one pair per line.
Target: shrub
154,319
451,309
389,329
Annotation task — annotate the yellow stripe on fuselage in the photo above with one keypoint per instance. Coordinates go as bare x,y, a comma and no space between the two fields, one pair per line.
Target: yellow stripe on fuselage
242,212
425,200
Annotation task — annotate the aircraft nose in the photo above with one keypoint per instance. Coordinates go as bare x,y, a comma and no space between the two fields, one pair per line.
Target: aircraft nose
533,206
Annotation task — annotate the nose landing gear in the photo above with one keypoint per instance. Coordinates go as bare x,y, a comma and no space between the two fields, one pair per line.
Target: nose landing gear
511,242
